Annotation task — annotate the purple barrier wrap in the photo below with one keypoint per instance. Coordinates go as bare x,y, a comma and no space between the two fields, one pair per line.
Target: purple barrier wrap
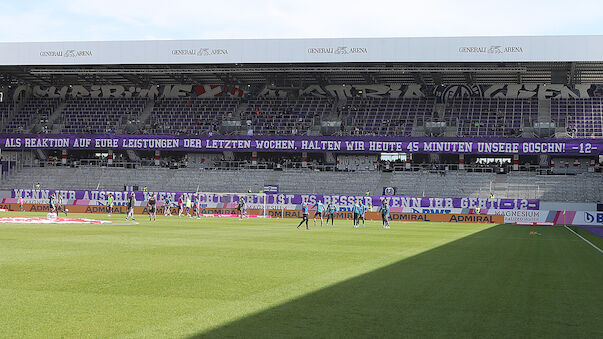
292,199
267,143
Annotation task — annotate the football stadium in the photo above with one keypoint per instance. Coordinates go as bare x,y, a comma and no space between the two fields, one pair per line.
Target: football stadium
190,188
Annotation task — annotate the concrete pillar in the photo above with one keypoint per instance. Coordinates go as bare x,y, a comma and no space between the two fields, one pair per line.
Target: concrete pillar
516,162
304,159
461,161
254,158
408,161
157,157
110,157
64,157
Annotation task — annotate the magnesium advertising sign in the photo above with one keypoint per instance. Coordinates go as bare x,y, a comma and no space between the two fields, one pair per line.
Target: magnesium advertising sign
360,144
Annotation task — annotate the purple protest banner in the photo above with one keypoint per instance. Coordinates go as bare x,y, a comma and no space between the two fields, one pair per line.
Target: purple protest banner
286,199
266,143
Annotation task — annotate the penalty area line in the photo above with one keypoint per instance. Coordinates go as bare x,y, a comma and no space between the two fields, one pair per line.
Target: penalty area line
588,242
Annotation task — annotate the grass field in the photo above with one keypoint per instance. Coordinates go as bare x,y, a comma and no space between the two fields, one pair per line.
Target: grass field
264,278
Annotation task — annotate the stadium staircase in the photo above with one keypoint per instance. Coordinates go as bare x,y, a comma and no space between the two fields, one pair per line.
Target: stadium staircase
146,112
544,110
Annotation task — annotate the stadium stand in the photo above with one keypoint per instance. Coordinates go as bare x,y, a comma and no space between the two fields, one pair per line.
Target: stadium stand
33,111
477,117
190,115
581,117
5,110
492,117
435,108
386,116
99,115
283,116
521,185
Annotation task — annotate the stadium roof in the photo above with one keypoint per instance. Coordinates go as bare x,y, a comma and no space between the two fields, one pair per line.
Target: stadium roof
299,62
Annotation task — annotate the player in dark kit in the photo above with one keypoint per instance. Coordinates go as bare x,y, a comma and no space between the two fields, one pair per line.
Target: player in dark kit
304,214
195,205
180,206
131,204
151,204
51,202
242,207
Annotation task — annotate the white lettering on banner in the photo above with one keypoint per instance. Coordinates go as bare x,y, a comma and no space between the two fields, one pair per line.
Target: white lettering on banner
192,143
275,144
12,142
386,146
151,143
542,147
354,145
310,145
460,147
498,147
81,142
46,143
41,194
106,143
228,144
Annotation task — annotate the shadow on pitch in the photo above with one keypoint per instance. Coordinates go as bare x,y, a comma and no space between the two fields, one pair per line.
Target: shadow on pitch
456,289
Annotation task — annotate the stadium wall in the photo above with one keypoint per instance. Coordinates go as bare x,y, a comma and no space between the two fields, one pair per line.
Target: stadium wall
588,218
346,215
288,205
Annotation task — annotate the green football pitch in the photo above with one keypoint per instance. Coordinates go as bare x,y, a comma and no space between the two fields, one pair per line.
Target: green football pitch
222,277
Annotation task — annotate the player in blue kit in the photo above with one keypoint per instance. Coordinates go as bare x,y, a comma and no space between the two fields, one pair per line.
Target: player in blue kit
356,211
385,214
331,213
320,207
304,205
361,211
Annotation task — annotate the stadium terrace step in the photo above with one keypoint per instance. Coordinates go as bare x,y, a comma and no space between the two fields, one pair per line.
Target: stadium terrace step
577,188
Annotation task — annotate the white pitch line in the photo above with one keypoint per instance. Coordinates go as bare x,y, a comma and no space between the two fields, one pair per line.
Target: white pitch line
590,243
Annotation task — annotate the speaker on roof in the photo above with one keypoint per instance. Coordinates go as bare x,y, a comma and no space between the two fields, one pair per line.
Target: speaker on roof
559,77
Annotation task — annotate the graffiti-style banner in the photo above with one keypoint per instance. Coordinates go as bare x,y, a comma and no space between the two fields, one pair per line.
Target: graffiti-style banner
267,143
412,91
286,201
